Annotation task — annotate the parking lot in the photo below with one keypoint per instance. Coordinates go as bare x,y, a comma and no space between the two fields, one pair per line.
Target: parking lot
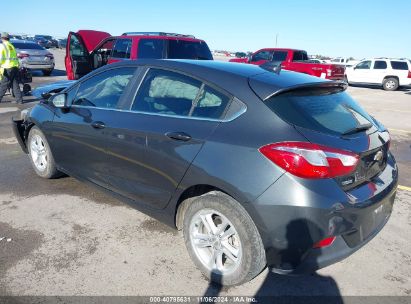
62,237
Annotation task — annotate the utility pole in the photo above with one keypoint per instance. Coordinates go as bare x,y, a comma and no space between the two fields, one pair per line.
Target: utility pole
276,39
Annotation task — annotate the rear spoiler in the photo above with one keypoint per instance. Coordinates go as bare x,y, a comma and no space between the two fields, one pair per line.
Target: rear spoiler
330,86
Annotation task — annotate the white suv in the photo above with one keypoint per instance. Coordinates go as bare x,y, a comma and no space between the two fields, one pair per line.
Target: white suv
388,73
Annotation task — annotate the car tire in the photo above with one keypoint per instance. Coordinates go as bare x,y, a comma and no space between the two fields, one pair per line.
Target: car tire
40,154
47,72
222,239
390,84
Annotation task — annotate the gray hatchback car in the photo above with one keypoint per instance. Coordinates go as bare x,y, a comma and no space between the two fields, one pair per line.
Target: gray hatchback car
258,168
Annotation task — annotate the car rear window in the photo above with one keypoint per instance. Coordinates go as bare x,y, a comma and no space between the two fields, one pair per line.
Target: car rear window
27,46
399,65
182,49
319,110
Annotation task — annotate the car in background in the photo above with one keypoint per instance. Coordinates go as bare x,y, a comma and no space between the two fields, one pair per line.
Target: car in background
387,73
294,60
88,50
315,60
12,36
347,62
34,57
62,43
41,42
256,168
50,42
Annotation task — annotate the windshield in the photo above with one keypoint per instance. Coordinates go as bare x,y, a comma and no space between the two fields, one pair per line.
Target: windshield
320,110
181,49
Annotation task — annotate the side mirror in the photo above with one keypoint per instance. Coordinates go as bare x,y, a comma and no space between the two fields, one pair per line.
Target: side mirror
60,101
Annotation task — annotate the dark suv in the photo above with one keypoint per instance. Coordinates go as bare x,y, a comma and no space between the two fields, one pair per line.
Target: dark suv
88,50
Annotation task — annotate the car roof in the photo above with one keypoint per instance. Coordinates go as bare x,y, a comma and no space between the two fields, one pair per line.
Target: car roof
231,76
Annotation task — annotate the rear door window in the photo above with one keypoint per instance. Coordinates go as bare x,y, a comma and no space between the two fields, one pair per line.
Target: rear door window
122,48
171,93
280,55
300,56
380,65
319,110
151,48
184,49
399,65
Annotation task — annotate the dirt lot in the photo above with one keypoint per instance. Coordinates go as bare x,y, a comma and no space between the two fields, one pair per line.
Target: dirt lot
62,237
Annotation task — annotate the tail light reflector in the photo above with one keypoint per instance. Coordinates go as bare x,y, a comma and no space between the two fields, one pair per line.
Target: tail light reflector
309,160
325,242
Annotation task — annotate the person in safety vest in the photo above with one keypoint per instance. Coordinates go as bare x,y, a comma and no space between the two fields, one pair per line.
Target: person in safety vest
9,68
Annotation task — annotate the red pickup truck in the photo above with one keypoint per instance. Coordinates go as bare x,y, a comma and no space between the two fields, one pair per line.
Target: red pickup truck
294,60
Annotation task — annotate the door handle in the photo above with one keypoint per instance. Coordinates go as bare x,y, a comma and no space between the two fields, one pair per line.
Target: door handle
178,136
98,125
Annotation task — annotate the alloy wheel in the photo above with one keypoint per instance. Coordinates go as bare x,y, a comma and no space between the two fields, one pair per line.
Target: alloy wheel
215,241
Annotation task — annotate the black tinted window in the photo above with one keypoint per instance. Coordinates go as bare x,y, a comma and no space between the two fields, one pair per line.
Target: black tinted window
399,65
150,48
122,48
280,55
380,65
300,56
319,110
263,55
27,46
182,49
105,89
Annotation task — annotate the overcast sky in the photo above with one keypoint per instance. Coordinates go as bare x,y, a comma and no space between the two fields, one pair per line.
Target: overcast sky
336,28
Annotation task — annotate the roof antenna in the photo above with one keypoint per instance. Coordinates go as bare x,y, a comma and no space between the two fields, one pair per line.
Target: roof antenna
272,66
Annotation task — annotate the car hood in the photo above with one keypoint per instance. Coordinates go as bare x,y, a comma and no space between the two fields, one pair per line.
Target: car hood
51,88
92,38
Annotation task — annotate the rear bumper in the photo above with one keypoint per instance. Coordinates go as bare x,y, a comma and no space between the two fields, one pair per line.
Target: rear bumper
294,214
44,66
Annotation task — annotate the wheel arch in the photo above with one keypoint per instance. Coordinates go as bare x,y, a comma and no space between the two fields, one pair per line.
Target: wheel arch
187,197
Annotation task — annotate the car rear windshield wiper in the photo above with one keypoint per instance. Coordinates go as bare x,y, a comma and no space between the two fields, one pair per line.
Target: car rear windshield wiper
357,129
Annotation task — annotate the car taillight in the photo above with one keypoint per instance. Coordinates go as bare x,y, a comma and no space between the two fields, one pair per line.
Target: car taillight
50,56
329,72
22,55
325,242
308,160
409,74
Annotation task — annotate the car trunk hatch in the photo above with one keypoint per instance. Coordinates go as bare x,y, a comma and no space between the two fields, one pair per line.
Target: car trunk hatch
326,115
